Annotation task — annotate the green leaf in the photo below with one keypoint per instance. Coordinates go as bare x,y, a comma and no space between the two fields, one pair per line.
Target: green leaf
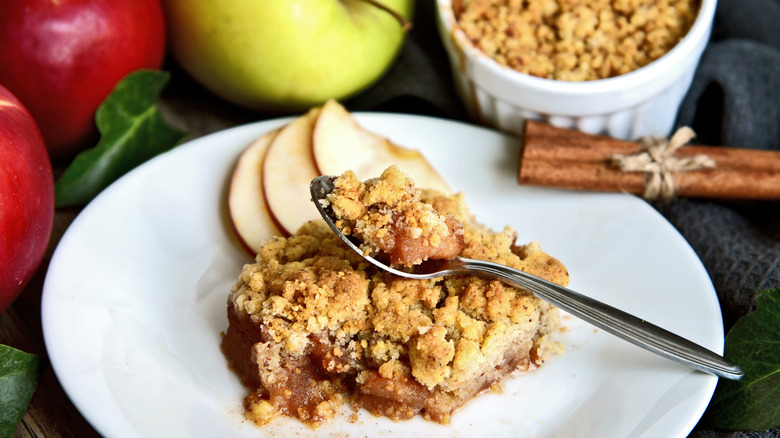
19,375
131,132
752,403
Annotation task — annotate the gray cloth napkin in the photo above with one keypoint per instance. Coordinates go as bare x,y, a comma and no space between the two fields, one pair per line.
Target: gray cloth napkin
734,100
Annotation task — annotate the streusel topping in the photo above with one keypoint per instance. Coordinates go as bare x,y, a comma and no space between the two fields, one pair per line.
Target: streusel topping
312,324
575,40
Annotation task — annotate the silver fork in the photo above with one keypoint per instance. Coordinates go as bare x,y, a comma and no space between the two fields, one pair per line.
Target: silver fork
617,322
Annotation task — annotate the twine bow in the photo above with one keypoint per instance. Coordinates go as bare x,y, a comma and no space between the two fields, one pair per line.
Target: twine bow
657,160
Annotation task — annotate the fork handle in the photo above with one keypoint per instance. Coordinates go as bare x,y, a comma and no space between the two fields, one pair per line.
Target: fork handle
621,324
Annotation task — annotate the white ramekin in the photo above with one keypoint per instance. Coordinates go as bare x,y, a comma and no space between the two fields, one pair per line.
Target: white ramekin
643,102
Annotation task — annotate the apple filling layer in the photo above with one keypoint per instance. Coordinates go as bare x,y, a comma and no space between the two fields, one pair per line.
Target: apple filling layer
313,326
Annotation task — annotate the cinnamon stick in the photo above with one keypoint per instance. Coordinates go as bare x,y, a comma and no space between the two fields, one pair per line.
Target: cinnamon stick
564,158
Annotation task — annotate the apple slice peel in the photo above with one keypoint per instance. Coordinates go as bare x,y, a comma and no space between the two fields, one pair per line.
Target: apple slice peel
288,169
340,143
249,216
269,189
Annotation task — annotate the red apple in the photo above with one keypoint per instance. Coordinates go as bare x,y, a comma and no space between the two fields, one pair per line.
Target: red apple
26,197
62,58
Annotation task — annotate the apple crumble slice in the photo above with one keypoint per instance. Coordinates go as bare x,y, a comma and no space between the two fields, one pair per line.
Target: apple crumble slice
314,327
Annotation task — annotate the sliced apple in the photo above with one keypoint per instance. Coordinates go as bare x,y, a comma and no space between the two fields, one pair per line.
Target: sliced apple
288,168
340,144
247,210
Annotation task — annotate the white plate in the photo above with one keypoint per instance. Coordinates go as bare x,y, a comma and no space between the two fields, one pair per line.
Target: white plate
135,300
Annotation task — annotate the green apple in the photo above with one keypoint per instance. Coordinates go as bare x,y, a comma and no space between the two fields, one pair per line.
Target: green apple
286,55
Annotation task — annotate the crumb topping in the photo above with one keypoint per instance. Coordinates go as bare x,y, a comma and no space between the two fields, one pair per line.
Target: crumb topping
311,317
575,40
